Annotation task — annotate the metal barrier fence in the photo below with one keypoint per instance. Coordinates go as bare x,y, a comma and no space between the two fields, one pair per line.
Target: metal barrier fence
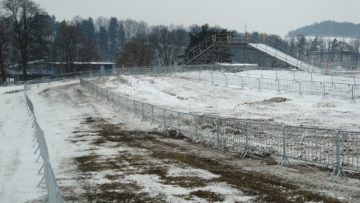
52,187
330,148
332,77
351,91
326,147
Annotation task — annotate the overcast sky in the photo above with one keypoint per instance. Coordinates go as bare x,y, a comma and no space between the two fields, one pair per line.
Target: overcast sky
271,16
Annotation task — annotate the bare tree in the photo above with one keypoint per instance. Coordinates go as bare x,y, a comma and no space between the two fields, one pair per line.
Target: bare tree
23,16
134,29
136,53
68,40
168,43
4,46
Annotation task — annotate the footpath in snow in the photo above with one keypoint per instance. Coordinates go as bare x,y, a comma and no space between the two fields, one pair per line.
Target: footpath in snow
18,171
100,153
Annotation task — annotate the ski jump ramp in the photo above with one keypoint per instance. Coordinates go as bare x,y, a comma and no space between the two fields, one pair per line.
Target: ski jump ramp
284,57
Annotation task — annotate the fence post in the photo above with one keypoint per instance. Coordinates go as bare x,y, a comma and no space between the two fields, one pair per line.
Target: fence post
278,86
338,165
164,118
178,122
246,140
294,78
193,134
259,83
324,91
300,92
226,80
352,94
218,125
152,114
142,109
134,108
212,78
284,159
224,138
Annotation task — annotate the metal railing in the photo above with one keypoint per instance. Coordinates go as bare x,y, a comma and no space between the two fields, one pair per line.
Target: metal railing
269,46
345,90
325,147
53,191
302,76
330,148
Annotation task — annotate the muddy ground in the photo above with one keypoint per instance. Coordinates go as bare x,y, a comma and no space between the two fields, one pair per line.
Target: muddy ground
153,152
115,157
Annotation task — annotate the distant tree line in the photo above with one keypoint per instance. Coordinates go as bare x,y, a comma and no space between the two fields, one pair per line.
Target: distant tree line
28,33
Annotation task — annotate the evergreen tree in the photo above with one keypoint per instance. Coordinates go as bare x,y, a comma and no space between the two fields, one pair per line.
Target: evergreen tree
103,43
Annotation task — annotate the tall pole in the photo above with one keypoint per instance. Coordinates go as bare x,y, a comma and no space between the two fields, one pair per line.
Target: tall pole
246,32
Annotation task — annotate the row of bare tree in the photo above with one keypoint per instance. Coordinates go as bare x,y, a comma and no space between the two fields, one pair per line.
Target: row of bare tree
28,33
23,31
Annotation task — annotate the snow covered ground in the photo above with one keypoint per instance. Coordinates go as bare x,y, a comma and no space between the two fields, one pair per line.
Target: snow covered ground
73,122
61,112
192,95
18,171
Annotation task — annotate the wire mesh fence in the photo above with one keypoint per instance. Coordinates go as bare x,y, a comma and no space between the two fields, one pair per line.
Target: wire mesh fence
53,191
330,148
344,90
331,77
326,147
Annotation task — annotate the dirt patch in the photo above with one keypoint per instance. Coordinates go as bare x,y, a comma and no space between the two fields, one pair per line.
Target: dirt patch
13,91
88,163
326,105
209,196
116,192
121,80
100,80
276,100
268,188
270,101
158,152
169,92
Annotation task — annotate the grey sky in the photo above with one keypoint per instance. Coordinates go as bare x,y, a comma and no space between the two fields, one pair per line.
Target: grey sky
271,16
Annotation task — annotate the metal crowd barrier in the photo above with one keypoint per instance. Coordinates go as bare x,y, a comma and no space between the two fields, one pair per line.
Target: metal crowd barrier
53,191
325,147
351,91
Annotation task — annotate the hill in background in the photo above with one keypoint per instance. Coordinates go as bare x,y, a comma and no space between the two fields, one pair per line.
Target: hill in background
328,29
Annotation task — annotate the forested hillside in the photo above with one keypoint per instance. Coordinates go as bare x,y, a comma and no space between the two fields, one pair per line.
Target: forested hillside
328,29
